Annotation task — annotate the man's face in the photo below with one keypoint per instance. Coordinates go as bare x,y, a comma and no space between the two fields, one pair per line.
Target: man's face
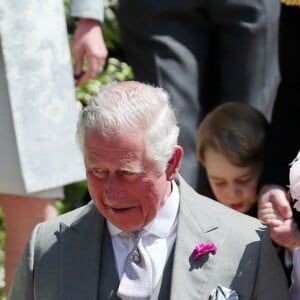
126,187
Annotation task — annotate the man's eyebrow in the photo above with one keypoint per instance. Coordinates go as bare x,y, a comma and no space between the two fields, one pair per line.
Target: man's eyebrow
134,169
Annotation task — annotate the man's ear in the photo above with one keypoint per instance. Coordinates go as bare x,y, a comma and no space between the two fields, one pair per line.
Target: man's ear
174,163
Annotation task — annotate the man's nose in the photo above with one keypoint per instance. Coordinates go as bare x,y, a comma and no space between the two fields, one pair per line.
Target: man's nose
113,187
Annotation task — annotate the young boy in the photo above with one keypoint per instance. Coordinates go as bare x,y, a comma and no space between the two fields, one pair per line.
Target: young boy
230,145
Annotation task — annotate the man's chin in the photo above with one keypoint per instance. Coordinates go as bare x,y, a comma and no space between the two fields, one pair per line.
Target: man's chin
127,220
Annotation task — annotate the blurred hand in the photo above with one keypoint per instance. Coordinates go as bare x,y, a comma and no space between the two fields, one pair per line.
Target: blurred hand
274,209
274,205
88,42
286,234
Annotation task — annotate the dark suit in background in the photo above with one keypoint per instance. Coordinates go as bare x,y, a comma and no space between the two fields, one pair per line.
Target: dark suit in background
283,145
203,53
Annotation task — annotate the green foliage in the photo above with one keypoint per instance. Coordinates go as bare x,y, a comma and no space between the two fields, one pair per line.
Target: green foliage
74,195
115,70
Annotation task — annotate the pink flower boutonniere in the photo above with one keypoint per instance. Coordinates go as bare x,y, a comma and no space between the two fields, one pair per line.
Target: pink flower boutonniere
203,249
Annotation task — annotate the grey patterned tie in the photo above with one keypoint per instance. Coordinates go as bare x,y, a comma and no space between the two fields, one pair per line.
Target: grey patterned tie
136,281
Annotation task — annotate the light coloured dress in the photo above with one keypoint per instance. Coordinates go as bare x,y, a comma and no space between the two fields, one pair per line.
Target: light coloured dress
38,111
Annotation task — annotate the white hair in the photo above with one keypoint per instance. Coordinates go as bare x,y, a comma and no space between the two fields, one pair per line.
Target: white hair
130,106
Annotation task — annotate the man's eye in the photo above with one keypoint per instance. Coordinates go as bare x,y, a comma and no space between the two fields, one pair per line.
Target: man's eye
98,172
126,172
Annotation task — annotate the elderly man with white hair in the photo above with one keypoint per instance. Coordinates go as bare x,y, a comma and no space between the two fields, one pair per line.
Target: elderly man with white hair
146,234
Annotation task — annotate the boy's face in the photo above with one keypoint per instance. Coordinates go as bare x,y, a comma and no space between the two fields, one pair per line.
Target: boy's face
233,186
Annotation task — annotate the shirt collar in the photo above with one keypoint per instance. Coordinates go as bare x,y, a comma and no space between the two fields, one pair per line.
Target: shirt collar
163,222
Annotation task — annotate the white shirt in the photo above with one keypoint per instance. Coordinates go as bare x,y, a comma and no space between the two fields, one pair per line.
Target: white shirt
158,239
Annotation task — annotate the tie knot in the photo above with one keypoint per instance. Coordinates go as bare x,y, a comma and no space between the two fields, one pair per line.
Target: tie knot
136,236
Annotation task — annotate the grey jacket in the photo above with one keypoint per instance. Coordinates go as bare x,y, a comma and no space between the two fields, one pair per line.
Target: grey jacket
63,258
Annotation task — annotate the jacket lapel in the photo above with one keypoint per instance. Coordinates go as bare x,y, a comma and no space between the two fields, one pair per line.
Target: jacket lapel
108,275
80,247
195,225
